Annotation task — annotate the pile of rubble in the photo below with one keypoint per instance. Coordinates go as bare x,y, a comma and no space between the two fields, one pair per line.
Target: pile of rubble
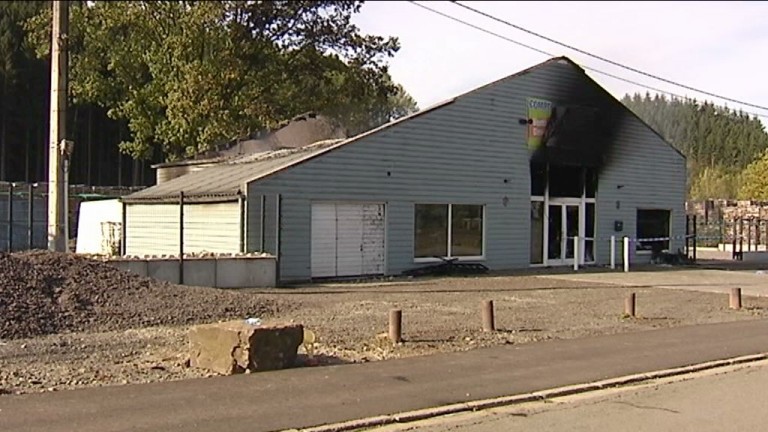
45,292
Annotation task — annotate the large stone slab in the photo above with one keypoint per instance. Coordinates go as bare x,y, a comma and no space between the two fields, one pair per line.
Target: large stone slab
235,346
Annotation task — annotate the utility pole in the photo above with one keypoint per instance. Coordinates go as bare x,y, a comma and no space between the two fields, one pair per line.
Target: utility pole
58,148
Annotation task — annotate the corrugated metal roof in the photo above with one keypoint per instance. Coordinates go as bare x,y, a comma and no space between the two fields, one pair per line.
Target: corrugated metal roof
225,182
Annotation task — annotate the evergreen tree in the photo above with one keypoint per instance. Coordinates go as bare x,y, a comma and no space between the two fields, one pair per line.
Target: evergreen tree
719,142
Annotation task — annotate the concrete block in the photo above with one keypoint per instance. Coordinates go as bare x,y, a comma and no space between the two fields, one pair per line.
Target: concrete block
756,257
236,346
245,272
200,272
164,269
120,264
138,267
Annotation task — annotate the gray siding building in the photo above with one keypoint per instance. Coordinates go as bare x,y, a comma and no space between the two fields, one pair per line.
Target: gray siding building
506,175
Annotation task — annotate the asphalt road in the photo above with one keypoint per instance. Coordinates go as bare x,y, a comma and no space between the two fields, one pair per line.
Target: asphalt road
312,396
733,401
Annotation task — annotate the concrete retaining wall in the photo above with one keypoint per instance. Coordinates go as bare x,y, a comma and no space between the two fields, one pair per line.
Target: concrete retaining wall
746,247
223,272
759,256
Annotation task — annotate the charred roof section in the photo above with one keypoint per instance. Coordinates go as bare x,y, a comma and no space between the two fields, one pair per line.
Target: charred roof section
578,135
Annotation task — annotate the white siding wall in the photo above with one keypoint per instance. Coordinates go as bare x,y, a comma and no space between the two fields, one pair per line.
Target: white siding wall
153,229
645,173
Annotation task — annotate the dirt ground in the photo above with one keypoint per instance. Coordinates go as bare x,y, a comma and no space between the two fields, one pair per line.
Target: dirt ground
44,292
441,314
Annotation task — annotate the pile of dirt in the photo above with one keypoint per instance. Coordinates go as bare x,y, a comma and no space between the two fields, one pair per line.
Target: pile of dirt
44,292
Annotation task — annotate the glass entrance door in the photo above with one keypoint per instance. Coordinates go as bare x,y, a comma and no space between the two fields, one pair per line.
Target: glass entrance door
563,226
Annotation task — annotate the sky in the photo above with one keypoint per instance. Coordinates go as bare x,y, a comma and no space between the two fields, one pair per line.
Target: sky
719,47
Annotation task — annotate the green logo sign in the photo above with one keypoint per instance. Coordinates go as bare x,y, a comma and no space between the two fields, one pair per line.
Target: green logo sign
539,112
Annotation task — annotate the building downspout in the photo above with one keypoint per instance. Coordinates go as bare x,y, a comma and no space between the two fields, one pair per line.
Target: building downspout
278,225
243,209
262,228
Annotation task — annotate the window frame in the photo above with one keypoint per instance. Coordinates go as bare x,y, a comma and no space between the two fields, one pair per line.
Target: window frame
419,260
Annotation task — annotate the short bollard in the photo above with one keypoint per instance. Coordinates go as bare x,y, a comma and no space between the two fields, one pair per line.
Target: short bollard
396,325
489,322
629,305
735,302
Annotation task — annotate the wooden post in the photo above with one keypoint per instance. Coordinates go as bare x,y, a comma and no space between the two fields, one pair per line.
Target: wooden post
613,252
489,322
735,298
629,305
396,325
57,189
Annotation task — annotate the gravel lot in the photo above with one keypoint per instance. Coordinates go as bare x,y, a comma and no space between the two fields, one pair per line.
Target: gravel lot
441,314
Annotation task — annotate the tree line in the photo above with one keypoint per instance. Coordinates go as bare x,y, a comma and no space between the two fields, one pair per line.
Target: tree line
725,148
161,81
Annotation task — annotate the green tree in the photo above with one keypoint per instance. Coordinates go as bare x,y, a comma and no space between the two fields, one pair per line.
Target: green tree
187,75
22,84
754,181
714,182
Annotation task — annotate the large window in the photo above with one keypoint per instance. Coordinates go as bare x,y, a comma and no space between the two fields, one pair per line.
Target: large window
448,230
652,225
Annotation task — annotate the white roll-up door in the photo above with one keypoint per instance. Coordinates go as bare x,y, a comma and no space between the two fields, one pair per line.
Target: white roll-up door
347,239
323,239
373,239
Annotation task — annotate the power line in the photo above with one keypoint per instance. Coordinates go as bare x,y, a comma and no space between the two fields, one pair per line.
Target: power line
615,63
540,51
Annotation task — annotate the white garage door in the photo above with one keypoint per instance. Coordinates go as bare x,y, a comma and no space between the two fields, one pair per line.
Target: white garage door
347,239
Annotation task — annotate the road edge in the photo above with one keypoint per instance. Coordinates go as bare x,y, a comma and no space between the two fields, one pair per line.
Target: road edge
482,404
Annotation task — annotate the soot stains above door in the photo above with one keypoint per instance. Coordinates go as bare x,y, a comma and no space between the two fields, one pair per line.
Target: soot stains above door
576,135
566,181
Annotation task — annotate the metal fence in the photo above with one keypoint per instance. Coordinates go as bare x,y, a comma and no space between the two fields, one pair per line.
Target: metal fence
24,219
740,234
24,212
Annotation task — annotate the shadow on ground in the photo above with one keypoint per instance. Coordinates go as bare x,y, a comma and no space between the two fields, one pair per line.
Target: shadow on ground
303,360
